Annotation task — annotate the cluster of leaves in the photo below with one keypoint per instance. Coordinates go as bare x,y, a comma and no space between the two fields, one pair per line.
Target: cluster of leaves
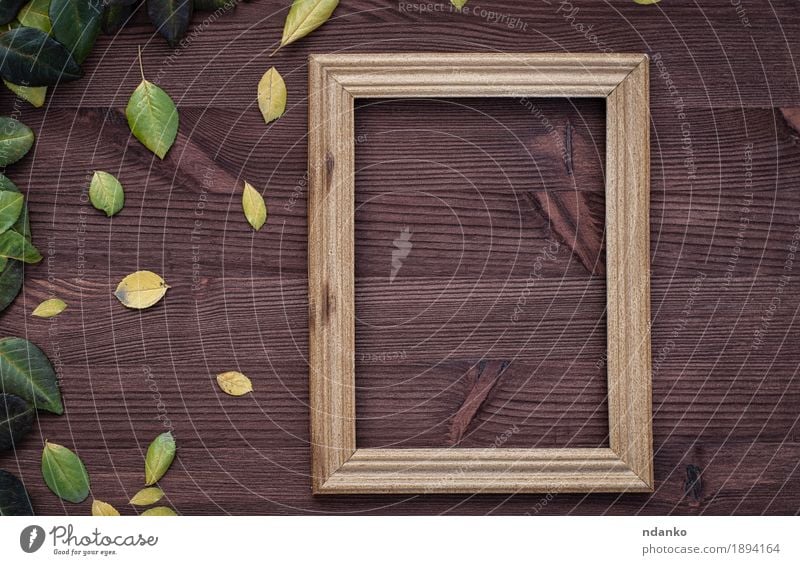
29,384
31,60
16,247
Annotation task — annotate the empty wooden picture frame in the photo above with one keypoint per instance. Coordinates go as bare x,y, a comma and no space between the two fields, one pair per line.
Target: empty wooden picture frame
338,465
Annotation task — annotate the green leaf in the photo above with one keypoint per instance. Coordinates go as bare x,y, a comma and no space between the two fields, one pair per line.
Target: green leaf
271,95
254,208
49,308
76,25
304,17
22,225
16,420
10,282
147,496
105,193
100,508
458,3
11,204
30,57
152,117
35,95
64,473
141,290
115,17
14,499
159,511
25,371
159,457
16,139
36,14
9,9
14,245
171,18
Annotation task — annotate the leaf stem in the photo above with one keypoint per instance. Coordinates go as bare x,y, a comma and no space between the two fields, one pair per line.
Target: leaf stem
141,67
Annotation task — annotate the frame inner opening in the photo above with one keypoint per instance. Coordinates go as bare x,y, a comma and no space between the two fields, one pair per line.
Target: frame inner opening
480,288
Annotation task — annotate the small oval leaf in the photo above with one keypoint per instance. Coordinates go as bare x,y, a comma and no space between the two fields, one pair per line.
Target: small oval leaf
160,455
141,289
106,193
11,204
16,139
458,3
29,56
171,18
159,511
25,371
100,508
234,383
152,117
255,210
271,95
304,17
76,25
16,420
49,308
147,496
64,473
14,499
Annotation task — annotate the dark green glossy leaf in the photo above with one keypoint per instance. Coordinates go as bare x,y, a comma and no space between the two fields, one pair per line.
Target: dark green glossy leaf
16,420
9,10
152,117
10,282
29,57
25,371
115,17
76,25
11,205
15,245
14,499
171,18
16,139
64,473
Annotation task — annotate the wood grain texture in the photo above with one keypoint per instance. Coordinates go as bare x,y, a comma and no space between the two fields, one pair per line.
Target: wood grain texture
628,279
719,242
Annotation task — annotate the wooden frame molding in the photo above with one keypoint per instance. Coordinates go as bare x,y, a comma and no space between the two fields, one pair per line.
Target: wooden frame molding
338,466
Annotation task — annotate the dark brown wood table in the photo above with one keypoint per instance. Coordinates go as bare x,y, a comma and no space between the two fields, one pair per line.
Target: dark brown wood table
480,267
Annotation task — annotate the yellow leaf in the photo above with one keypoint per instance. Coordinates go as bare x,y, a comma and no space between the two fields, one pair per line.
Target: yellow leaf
49,308
33,94
100,508
234,383
147,496
141,289
271,95
646,2
458,3
304,17
159,511
254,208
